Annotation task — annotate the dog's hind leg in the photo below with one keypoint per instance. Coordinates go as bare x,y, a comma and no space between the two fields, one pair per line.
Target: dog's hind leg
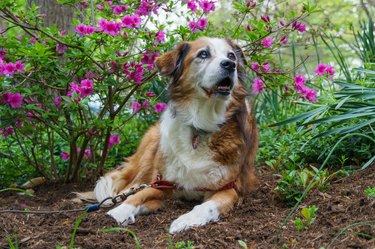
220,203
143,202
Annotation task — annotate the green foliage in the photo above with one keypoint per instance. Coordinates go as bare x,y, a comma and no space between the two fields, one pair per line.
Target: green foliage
308,217
370,192
184,245
293,183
12,242
76,225
124,230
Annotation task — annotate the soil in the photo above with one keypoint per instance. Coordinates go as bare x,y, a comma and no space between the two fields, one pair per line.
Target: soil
345,219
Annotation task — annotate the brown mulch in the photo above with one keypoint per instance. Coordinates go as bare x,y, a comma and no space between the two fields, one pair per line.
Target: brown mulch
256,221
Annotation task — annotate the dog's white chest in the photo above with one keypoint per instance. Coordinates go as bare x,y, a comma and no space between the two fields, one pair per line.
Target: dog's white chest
190,168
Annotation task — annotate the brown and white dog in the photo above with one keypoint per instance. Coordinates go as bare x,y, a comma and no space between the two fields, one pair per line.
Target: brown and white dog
206,139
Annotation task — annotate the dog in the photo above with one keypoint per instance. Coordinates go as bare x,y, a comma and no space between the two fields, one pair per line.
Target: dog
204,145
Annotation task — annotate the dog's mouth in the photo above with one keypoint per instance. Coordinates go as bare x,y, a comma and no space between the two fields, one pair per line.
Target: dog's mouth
223,87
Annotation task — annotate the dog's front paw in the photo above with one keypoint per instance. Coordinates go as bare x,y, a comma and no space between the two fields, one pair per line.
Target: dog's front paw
124,214
199,216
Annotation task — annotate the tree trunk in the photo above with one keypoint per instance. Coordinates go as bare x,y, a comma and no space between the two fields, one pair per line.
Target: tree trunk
60,15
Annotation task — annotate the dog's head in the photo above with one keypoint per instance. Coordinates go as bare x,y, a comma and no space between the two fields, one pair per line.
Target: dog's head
205,68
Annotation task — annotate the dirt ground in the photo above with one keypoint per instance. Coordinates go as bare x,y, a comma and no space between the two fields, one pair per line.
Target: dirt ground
345,219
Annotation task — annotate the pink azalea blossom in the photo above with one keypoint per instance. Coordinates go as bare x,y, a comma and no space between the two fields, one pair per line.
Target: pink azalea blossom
145,104
320,69
207,6
118,9
266,66
57,101
113,139
14,100
202,23
299,81
87,154
299,26
267,42
330,71
192,5
83,29
7,131
160,36
86,87
160,107
8,68
257,86
109,27
131,21
146,7
255,66
136,106
64,156
284,39
266,19
282,22
251,3
150,94
60,48
99,7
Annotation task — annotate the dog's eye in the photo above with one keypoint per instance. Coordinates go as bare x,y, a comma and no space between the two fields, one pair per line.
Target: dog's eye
202,54
231,56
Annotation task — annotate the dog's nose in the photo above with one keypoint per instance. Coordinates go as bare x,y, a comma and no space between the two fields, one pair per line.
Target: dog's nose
228,65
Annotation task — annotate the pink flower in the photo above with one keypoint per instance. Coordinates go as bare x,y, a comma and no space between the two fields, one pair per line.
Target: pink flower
330,71
145,8
19,37
87,87
118,9
7,131
266,66
8,68
113,139
14,100
109,27
57,101
160,36
160,107
131,21
282,22
257,86
150,94
267,42
207,6
87,154
299,26
74,88
99,7
136,106
202,23
64,156
193,26
60,48
192,5
83,29
299,81
266,19
320,69
284,39
255,66
145,104
251,4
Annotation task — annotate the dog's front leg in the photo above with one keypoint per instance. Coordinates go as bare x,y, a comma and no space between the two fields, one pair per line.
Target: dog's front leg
217,204
143,202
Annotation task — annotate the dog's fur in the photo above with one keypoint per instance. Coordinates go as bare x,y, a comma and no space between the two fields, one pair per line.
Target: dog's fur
206,138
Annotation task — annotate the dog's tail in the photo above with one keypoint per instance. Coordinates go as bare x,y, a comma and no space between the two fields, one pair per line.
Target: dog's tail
104,188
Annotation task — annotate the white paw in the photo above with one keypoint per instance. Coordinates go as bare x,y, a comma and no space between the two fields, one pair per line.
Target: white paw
124,214
199,216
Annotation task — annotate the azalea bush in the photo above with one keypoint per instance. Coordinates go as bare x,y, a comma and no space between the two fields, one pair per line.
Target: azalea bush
68,100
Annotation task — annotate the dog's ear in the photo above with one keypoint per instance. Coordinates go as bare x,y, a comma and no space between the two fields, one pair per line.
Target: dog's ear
170,64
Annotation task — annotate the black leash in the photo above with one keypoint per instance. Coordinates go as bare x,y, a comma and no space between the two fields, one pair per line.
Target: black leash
89,208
